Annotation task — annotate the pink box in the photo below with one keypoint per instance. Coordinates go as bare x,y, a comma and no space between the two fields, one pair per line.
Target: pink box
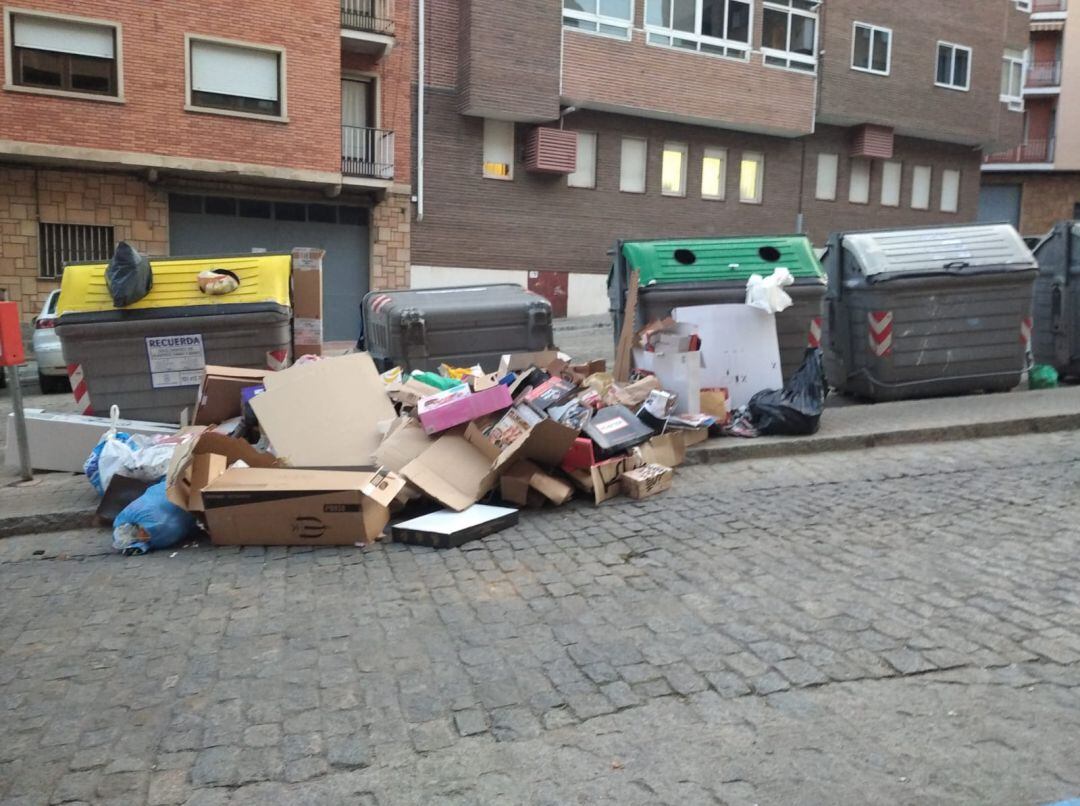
460,405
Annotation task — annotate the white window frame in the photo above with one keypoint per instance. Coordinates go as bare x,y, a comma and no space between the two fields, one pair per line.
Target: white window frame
742,49
788,55
915,172
118,55
598,20
759,190
955,47
874,29
671,145
483,156
885,170
1023,5
829,192
1015,103
721,154
591,178
283,73
644,164
955,203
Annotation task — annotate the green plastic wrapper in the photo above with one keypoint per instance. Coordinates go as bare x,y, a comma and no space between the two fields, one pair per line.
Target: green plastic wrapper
1042,376
436,380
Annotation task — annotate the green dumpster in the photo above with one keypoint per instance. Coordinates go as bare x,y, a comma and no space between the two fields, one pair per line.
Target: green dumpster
680,272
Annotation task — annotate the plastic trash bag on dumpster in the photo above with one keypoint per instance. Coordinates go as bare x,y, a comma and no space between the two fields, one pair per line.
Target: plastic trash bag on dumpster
796,409
767,293
150,522
129,276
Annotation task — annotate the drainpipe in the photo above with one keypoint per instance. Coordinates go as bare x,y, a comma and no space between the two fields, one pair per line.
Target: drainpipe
420,116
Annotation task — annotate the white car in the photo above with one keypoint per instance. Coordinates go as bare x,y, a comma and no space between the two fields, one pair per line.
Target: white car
52,371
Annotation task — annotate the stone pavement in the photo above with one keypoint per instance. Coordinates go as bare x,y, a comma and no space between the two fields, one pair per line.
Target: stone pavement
896,625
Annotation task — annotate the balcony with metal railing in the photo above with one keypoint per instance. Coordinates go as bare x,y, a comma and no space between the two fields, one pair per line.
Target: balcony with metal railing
1043,75
367,153
1030,152
367,26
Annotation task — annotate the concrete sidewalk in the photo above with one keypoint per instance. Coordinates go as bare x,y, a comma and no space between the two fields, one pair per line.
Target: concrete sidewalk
61,501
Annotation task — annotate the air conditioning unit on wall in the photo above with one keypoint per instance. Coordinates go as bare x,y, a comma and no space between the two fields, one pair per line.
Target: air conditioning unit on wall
551,151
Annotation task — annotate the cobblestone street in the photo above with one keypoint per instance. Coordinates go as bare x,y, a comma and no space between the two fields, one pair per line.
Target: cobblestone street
898,625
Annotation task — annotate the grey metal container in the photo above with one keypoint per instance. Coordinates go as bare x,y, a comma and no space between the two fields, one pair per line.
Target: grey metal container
422,328
110,349
927,312
1055,337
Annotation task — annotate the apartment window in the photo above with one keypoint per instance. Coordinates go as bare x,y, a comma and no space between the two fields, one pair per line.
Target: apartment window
789,34
920,187
632,165
827,166
1023,5
751,177
713,173
498,149
63,54
236,79
585,174
871,49
891,177
59,244
859,181
950,191
717,27
673,170
1012,79
604,17
953,66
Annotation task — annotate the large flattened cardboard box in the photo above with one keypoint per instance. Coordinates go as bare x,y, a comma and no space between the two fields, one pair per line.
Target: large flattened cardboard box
274,507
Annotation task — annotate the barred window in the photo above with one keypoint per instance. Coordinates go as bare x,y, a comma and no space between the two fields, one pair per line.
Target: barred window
69,243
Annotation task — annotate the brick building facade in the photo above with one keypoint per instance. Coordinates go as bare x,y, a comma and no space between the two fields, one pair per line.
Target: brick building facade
737,97
1037,183
205,127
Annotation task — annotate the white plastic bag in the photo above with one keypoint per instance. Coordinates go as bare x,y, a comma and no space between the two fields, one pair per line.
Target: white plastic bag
767,293
139,457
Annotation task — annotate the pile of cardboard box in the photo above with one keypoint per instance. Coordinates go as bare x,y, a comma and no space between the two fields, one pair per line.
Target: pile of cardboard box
339,446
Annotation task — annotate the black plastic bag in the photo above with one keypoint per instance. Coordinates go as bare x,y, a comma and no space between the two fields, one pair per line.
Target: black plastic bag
796,409
129,276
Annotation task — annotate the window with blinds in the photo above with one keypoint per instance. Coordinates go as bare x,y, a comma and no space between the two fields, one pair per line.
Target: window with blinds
54,53
237,78
59,244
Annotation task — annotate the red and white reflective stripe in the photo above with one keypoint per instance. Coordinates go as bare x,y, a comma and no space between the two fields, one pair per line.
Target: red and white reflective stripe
380,302
881,336
1025,331
277,360
79,389
813,338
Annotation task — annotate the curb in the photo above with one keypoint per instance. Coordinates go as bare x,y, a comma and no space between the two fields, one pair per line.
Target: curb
773,447
47,522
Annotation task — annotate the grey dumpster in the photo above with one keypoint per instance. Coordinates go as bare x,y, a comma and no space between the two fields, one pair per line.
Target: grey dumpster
927,312
1055,337
421,328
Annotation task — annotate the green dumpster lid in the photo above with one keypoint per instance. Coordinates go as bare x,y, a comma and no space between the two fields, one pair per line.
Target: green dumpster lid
689,260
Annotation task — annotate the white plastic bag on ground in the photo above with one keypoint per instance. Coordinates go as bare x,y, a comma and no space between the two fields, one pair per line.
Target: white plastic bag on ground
767,293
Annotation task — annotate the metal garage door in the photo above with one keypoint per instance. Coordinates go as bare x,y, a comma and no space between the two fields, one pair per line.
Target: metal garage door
204,225
999,203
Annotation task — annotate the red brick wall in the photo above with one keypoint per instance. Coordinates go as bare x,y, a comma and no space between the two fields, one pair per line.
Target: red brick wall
907,99
537,222
1045,46
600,71
153,120
1039,112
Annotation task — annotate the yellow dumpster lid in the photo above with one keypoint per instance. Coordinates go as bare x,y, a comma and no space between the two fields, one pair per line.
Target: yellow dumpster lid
263,277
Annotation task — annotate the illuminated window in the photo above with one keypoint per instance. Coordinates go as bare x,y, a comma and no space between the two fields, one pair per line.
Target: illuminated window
673,170
751,177
713,173
498,149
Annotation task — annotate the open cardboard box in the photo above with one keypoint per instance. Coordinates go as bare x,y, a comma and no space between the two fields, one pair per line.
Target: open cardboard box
602,479
219,393
461,468
276,507
200,458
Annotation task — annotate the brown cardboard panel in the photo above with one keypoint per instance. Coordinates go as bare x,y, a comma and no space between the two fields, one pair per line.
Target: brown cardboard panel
178,479
546,443
205,468
219,393
454,470
405,441
275,507
667,449
325,414
605,476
